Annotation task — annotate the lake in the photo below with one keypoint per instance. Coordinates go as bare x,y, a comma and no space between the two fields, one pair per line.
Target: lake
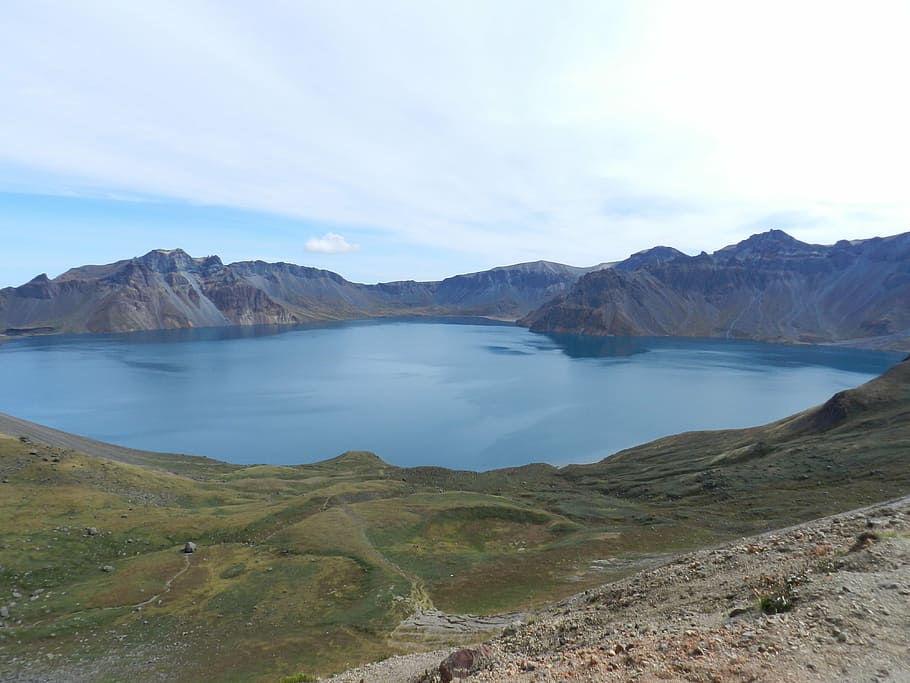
460,394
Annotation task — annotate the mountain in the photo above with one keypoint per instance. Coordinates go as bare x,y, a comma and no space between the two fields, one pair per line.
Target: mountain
170,289
768,287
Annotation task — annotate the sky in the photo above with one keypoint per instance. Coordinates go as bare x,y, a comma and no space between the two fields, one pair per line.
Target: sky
417,140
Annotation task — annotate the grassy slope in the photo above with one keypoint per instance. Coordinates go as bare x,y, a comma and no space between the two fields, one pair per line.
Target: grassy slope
310,568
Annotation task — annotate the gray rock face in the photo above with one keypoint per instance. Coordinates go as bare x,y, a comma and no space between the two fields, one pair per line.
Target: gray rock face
769,287
170,289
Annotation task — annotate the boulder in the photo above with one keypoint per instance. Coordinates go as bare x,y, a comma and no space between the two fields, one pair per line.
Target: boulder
464,662
190,547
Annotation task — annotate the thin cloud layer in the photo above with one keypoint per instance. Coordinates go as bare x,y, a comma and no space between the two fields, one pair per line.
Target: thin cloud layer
492,132
330,243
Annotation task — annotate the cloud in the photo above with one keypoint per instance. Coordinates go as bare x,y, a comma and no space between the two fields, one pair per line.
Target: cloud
330,243
508,131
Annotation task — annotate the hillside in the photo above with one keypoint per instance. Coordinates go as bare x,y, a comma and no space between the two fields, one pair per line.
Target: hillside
818,602
321,567
769,287
167,289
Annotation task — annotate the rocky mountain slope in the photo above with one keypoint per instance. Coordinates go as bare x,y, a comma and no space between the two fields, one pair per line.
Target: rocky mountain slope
823,601
170,289
769,287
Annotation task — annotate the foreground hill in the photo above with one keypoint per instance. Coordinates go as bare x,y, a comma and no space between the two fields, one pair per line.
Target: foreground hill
170,289
769,287
322,567
822,601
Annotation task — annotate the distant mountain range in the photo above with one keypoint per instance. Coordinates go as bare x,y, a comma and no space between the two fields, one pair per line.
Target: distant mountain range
770,287
167,289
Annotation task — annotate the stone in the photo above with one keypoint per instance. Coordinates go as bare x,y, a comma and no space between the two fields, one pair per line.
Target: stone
91,531
190,547
4,612
107,568
464,662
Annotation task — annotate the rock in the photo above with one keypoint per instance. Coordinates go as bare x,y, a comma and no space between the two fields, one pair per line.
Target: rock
107,568
513,628
464,662
863,541
91,531
4,612
190,547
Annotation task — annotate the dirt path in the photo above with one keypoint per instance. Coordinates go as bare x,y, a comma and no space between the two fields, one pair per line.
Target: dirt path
419,596
168,583
427,626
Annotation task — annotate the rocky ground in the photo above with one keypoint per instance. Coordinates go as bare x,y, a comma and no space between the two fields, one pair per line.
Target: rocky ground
828,600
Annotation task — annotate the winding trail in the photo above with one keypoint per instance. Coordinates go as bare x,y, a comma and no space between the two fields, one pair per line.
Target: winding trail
167,589
167,584
419,595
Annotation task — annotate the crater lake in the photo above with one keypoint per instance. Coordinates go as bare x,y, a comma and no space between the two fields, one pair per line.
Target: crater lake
464,394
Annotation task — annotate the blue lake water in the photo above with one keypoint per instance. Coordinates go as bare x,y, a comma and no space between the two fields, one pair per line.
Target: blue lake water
468,395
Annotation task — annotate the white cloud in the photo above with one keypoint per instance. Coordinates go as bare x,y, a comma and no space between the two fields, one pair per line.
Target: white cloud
500,130
330,243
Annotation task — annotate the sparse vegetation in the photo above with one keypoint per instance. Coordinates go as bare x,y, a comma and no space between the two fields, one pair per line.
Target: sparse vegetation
777,594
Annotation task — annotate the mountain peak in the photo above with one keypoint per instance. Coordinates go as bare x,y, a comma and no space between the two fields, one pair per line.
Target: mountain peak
173,260
654,256
769,243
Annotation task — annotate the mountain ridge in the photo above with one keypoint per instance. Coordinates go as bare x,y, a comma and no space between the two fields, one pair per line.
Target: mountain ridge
168,288
769,287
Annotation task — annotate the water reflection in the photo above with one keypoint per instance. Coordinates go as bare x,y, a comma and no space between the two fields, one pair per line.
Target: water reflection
582,346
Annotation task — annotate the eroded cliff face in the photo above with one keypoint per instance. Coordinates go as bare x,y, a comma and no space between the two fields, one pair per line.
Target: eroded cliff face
167,289
769,287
